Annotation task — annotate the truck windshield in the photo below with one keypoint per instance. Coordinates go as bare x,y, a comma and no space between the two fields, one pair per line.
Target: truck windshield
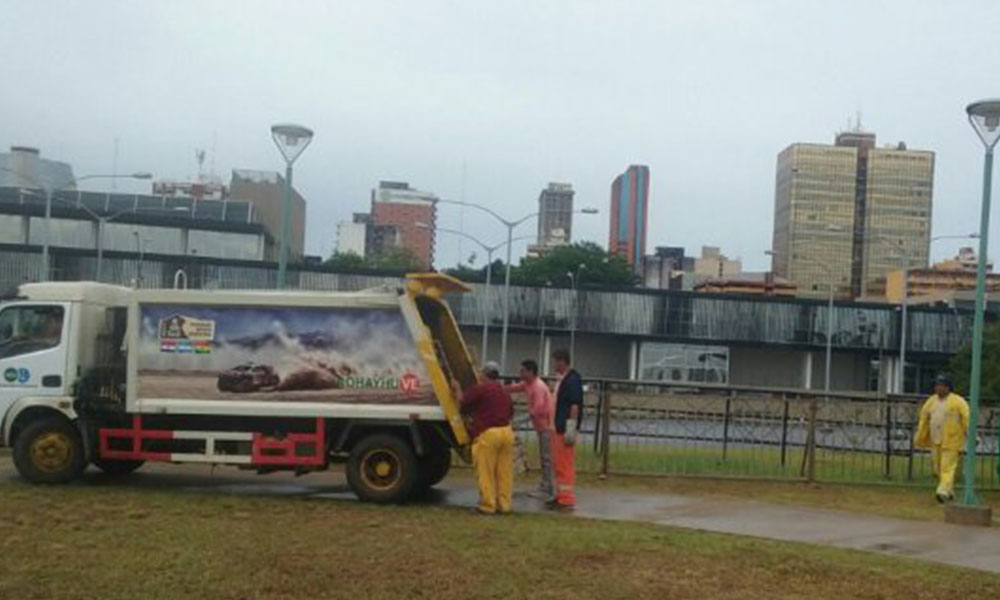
25,329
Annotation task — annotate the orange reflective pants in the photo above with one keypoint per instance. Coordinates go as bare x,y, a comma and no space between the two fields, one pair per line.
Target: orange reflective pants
564,458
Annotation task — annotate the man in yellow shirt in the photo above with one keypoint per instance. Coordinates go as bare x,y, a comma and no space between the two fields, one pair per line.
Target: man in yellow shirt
943,425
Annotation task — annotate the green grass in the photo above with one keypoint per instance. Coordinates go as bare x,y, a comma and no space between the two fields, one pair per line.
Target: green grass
116,542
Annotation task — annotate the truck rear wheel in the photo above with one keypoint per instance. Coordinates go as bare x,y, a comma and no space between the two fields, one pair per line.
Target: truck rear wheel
434,467
49,451
382,468
117,468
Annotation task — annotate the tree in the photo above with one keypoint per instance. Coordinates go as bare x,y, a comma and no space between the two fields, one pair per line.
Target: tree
600,268
395,259
345,261
473,275
392,261
961,365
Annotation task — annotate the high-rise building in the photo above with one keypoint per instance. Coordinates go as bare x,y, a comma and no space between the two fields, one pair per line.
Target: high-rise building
555,215
629,210
412,213
851,212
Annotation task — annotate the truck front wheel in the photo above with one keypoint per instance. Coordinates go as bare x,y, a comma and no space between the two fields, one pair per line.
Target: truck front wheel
49,451
382,468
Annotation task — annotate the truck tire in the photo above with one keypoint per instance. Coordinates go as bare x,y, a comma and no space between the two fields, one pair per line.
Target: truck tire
383,469
117,468
49,451
434,467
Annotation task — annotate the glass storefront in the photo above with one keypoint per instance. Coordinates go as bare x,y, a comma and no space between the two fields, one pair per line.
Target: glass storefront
683,362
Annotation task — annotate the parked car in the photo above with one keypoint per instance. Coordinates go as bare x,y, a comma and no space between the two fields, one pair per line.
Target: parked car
247,378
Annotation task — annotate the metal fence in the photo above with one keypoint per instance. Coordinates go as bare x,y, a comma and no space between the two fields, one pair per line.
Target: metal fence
655,428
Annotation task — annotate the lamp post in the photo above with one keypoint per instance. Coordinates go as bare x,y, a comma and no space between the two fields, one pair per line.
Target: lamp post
829,315
985,119
510,225
489,250
50,191
575,283
291,141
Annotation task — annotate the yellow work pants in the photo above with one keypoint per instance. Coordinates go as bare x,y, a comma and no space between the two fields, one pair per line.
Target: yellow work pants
945,465
493,457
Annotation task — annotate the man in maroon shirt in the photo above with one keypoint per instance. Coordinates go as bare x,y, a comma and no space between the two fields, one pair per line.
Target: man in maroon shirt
488,411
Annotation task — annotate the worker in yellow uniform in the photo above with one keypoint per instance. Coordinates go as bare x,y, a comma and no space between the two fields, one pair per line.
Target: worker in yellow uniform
488,411
943,425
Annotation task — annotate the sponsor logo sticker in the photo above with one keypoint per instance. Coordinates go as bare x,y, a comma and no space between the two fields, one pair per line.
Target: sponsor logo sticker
10,375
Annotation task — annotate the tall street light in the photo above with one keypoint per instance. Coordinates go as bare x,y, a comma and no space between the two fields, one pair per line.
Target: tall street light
50,191
574,279
904,303
829,315
510,225
489,250
985,119
291,141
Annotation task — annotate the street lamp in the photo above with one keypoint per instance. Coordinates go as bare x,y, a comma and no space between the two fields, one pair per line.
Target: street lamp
985,119
489,250
829,314
291,141
575,282
50,191
510,225
904,303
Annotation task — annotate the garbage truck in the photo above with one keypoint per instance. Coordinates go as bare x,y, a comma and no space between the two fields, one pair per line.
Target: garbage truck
110,376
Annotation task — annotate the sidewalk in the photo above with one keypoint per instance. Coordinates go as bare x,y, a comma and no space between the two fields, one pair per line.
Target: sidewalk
977,548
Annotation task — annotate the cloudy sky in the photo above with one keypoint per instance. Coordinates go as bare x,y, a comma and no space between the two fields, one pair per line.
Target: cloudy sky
519,93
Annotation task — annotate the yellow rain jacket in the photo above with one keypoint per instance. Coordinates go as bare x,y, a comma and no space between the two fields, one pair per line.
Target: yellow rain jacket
956,423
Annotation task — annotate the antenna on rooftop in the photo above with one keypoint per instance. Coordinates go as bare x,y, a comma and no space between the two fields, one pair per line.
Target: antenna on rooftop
199,155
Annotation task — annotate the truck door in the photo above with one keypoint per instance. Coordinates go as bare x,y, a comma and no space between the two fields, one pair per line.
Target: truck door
33,341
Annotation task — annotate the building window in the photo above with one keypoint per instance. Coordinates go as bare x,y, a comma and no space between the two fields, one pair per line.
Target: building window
684,362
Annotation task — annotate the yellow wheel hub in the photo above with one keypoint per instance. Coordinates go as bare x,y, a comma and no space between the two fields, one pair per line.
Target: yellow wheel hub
380,469
52,452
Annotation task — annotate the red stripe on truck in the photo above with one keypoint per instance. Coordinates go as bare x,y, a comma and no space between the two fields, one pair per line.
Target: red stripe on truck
136,435
268,450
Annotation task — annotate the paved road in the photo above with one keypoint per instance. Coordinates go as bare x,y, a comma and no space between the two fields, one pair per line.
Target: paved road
936,542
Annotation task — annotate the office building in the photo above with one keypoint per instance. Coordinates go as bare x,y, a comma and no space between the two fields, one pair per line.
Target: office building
410,213
668,268
23,167
713,264
766,284
351,237
629,211
265,190
555,215
848,213
942,282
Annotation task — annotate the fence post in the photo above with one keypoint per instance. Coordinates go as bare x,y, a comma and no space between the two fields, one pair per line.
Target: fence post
605,431
725,426
784,434
909,454
808,469
887,468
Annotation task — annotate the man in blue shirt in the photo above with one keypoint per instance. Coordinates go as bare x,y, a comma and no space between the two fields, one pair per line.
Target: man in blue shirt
568,415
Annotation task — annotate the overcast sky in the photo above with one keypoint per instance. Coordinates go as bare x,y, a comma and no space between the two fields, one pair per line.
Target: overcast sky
522,93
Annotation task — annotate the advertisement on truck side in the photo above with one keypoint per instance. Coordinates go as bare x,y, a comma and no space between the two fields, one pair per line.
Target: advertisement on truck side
281,354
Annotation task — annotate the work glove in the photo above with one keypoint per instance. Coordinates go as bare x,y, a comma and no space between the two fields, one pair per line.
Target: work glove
570,436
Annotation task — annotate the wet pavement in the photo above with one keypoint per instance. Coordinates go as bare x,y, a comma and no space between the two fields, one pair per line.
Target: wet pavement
977,548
